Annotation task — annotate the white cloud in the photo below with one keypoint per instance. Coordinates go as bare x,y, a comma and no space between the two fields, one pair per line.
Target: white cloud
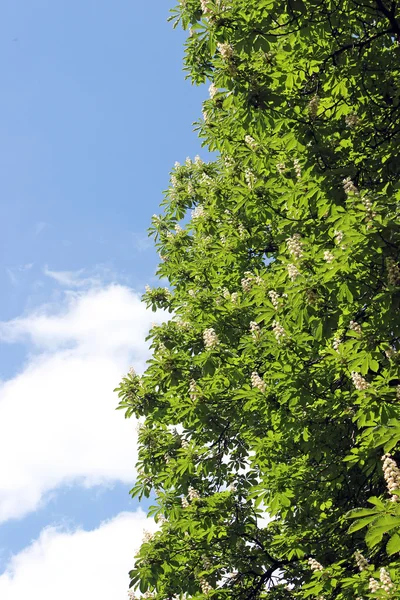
58,422
79,564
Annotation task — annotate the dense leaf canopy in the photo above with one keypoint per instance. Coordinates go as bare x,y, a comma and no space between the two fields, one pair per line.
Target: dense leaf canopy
273,392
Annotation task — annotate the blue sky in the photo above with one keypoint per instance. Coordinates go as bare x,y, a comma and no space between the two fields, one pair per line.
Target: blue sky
94,111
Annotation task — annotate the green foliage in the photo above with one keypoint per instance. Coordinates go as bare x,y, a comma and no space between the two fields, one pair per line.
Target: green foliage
273,390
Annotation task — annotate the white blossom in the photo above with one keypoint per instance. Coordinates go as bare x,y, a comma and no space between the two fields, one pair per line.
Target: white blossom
192,293
297,168
361,561
351,120
178,229
295,245
184,502
255,330
313,106
278,330
359,382
198,212
213,90
338,236
315,565
349,187
242,231
226,50
293,271
391,473
251,142
206,588
234,297
257,382
373,585
147,536
193,494
336,343
210,338
250,178
275,297
281,168
354,326
328,256
132,372
204,7
131,595
247,281
193,390
386,582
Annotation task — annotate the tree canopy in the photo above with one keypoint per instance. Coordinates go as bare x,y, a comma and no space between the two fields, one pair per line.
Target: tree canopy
270,409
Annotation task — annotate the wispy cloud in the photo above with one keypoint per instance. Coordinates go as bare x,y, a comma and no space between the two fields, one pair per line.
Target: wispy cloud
77,564
15,273
82,278
39,227
57,417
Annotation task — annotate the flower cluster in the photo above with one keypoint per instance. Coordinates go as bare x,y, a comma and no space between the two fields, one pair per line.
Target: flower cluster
198,212
354,326
393,271
251,142
206,588
206,563
213,90
336,343
338,236
204,7
313,106
361,561
242,231
351,120
295,245
226,51
293,271
184,502
147,536
248,281
278,330
368,208
385,582
132,372
315,565
250,178
131,595
359,382
275,297
328,256
254,330
349,187
391,473
193,390
193,494
257,382
297,168
210,338
281,168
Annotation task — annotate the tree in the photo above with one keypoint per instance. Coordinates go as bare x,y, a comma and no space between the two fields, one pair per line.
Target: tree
273,392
